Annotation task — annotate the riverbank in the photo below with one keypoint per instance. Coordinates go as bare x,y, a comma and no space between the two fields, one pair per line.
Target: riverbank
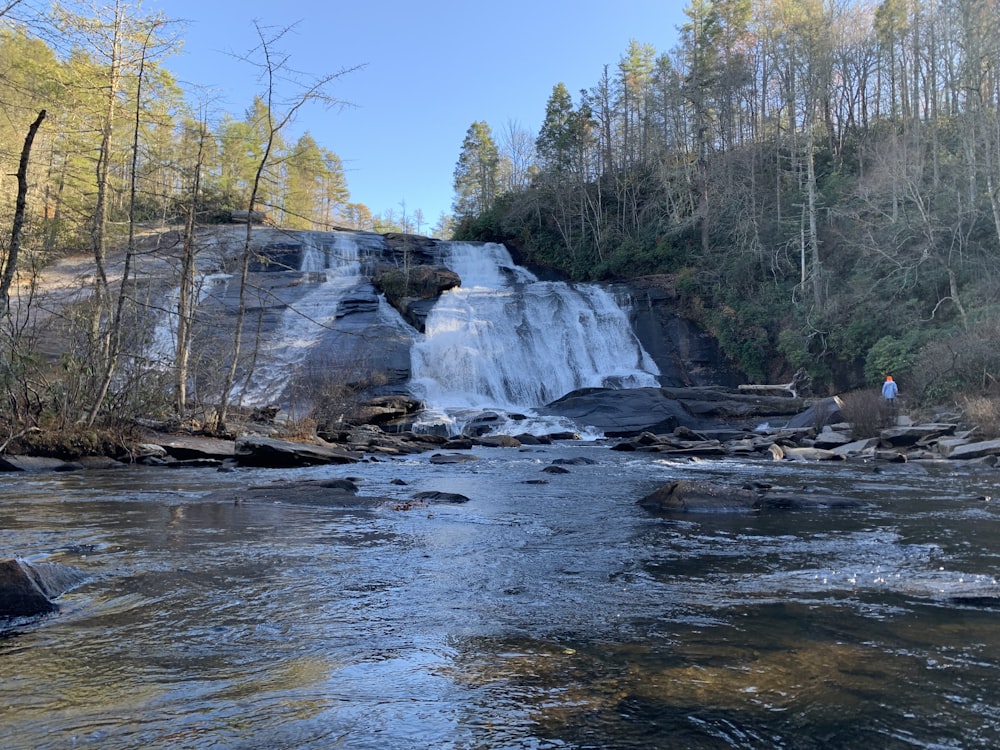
693,422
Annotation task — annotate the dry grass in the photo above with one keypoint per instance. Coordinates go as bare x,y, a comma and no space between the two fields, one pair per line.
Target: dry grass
867,412
984,413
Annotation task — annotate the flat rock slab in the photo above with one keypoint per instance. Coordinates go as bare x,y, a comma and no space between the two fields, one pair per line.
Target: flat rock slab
271,453
325,493
186,448
972,450
37,463
901,437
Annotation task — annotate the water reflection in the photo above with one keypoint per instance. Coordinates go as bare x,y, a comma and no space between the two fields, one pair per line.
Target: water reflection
558,615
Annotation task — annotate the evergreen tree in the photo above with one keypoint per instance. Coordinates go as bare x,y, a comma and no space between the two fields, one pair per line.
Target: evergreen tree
555,144
476,172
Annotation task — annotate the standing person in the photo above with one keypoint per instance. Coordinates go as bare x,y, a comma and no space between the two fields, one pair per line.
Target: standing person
889,390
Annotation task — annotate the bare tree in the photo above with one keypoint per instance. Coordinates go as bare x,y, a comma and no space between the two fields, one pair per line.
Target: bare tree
114,329
278,113
14,249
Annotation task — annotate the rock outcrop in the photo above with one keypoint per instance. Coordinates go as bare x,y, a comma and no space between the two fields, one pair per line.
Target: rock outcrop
686,355
252,450
632,411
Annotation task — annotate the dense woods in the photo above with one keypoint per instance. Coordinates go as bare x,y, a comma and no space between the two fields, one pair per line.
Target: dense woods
820,178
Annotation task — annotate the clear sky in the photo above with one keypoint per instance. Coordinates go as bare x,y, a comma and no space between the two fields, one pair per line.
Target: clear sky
430,69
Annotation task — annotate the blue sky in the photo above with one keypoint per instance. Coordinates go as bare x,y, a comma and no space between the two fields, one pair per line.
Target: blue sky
431,69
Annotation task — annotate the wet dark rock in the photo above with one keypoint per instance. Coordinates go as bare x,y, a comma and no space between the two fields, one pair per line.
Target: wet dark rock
553,436
808,501
632,411
28,589
556,470
483,424
684,352
37,463
621,413
327,493
690,496
373,439
185,448
575,461
413,289
528,439
902,437
433,496
195,463
391,409
277,256
650,443
252,450
452,458
824,411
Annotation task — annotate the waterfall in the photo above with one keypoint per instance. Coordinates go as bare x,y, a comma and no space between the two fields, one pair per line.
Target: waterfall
162,348
506,341
332,266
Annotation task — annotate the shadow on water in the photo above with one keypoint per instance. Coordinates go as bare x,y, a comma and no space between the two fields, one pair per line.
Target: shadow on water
553,615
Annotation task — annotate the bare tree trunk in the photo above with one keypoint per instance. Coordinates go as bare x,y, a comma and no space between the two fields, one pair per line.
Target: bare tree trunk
185,295
114,335
10,267
817,266
270,67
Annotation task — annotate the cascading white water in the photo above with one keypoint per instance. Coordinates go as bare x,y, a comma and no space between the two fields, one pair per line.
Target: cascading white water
505,341
162,348
333,263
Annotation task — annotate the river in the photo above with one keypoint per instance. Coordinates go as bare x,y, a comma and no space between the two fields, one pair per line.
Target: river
549,611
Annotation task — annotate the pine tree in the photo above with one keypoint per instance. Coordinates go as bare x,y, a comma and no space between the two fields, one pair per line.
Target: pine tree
476,172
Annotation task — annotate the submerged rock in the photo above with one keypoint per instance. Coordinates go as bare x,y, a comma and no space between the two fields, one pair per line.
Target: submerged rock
688,496
434,496
327,493
808,501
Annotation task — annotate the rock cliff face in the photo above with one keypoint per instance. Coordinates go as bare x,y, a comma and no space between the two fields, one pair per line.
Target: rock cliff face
329,310
686,355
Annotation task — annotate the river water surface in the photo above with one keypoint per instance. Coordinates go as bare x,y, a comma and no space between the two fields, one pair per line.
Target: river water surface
537,615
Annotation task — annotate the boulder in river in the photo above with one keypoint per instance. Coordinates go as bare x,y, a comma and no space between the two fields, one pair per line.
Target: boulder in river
28,589
453,458
435,496
690,496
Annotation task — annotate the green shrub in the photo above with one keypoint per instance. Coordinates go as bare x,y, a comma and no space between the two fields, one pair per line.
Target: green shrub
890,355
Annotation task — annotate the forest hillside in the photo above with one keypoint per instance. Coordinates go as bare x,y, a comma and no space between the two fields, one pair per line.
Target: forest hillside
822,179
